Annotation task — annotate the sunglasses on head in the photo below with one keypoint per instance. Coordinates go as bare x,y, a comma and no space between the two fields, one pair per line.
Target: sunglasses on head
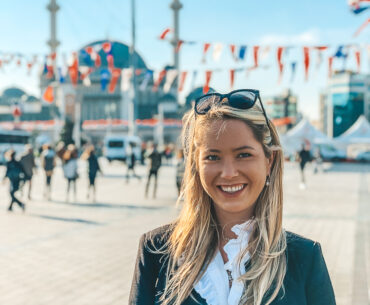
239,99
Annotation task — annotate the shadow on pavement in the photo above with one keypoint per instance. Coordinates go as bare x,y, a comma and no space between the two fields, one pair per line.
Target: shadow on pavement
78,220
111,206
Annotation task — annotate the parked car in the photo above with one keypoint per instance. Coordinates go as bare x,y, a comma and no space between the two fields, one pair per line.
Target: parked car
363,156
117,147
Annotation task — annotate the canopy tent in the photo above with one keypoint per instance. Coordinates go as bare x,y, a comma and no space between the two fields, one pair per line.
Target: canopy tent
302,133
358,133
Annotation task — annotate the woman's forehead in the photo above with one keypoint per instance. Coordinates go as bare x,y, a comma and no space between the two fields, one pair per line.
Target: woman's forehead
226,134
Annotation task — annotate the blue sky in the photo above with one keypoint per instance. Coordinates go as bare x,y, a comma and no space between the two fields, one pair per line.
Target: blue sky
24,28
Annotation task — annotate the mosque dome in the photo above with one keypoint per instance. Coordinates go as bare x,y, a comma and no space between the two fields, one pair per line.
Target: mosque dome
13,92
119,50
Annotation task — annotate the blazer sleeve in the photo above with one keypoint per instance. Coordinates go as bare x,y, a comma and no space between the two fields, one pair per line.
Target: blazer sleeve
319,290
145,276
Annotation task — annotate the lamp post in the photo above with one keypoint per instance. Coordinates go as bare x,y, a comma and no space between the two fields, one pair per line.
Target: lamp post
132,109
176,6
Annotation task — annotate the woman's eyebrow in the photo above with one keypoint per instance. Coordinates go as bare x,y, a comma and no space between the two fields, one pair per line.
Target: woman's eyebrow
243,147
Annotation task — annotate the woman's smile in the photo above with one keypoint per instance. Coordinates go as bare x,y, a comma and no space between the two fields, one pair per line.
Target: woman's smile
233,190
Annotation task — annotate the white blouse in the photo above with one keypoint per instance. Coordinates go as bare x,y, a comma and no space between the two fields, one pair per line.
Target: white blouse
214,284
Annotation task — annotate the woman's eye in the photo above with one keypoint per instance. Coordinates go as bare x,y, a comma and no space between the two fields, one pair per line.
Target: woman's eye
211,158
244,155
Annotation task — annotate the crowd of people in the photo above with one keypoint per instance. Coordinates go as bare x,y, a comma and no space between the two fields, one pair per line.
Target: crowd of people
20,170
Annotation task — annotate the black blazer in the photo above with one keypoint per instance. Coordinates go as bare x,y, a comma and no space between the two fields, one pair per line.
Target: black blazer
306,282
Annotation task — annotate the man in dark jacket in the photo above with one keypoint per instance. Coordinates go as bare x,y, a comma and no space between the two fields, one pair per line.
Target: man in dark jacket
155,163
14,172
28,163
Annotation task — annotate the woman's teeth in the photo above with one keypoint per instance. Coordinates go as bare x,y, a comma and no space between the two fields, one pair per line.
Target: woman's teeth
232,189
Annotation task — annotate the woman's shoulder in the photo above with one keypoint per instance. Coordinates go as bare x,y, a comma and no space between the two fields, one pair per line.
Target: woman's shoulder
158,237
302,250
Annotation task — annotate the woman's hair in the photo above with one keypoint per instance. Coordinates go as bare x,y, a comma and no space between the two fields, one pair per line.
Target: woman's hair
195,236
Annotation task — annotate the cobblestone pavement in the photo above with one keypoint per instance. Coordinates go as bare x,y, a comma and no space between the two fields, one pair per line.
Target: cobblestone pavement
82,252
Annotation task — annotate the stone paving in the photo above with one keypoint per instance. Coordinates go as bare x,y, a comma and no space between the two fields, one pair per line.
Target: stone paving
80,252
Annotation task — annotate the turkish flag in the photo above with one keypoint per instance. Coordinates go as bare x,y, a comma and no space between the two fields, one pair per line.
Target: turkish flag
48,95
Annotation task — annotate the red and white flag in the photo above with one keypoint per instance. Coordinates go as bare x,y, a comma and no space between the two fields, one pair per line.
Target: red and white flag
208,79
280,51
183,75
255,55
159,77
170,77
217,51
164,33
232,78
206,47
126,78
116,73
306,61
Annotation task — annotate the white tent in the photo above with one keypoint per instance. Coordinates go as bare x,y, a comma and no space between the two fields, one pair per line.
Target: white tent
358,133
302,133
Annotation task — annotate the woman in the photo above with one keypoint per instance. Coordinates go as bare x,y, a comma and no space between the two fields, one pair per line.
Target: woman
48,164
70,168
93,169
14,172
228,245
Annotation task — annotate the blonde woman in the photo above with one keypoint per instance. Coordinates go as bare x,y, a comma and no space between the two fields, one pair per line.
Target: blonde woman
228,245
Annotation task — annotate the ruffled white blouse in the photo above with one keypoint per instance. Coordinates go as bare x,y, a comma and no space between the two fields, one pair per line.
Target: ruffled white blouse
214,284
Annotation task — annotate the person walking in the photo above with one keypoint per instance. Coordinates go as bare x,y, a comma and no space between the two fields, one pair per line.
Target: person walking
70,169
155,162
93,168
131,163
14,172
228,245
304,156
28,163
48,164
180,169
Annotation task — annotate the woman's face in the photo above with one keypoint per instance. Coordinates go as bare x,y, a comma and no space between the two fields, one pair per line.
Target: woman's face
232,168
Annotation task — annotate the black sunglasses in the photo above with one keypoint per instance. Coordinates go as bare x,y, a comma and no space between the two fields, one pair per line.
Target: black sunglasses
238,99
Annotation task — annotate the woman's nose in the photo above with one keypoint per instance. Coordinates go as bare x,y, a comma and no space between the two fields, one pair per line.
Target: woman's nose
229,169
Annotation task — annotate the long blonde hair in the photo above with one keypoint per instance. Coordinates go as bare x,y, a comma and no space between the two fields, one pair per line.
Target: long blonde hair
195,238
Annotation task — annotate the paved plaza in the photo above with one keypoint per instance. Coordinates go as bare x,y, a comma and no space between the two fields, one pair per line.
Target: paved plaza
82,252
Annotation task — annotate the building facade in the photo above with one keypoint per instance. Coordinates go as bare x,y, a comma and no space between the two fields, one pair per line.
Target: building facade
346,97
282,109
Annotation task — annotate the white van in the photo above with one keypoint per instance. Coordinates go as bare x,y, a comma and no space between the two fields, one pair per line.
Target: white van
118,147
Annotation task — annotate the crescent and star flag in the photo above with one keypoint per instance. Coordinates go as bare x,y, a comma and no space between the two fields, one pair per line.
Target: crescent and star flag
73,70
255,55
164,33
183,75
208,79
232,49
232,77
306,61
280,51
48,95
330,66
178,46
205,50
116,73
159,79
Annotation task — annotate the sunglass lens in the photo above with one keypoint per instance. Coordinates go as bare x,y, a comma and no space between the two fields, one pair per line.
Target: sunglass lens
242,99
206,102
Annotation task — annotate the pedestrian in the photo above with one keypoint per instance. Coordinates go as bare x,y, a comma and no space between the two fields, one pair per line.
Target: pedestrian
131,160
180,169
48,164
143,153
70,169
14,172
93,169
28,163
317,161
304,156
155,162
228,245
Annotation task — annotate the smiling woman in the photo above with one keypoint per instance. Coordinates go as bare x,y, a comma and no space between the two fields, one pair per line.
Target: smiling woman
228,245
